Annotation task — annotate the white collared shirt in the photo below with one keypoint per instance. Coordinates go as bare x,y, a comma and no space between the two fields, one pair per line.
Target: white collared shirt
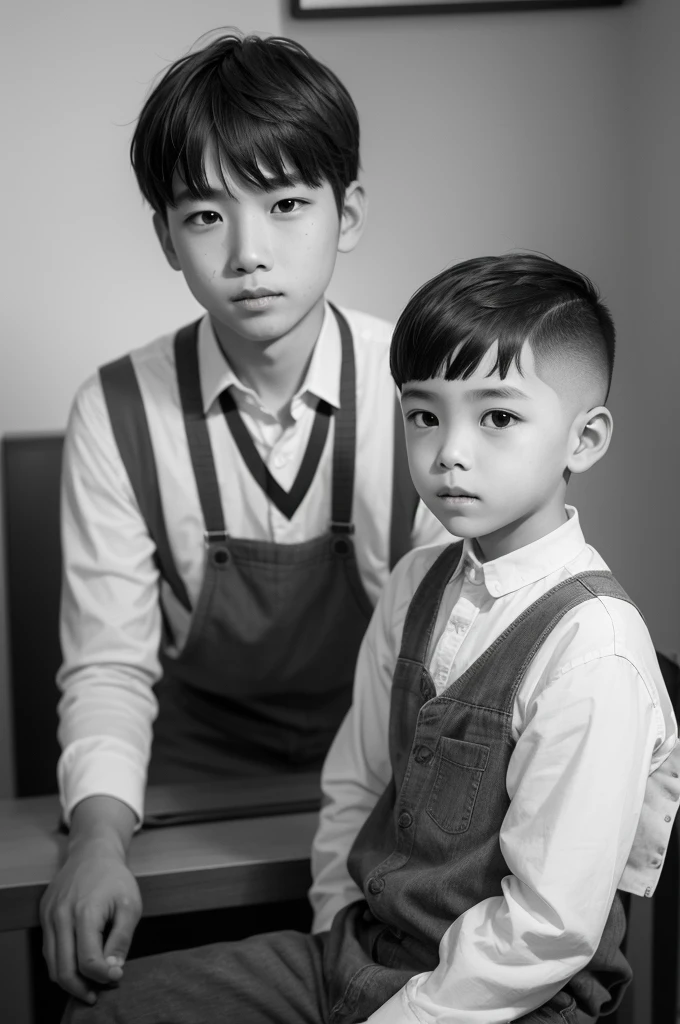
592,721
111,617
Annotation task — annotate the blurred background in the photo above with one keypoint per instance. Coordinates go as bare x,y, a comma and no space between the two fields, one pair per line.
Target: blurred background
555,130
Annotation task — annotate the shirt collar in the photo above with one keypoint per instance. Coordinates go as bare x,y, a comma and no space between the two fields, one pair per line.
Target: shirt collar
323,372
529,564
215,372
322,379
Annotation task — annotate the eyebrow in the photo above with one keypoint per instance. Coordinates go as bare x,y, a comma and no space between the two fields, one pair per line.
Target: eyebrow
478,395
185,196
215,194
417,393
482,394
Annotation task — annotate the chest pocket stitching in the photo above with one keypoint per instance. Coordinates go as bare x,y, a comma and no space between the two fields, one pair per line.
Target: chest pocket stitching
454,792
444,698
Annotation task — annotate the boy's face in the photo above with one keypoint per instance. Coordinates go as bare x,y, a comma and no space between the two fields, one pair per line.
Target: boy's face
489,456
259,262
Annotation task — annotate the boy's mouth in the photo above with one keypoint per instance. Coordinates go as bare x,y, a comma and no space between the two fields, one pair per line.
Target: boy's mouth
257,298
456,496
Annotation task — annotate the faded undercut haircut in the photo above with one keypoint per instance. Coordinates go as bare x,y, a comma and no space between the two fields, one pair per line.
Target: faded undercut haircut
265,104
451,322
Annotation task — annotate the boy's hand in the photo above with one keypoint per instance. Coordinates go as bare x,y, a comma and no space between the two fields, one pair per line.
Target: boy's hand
94,895
93,890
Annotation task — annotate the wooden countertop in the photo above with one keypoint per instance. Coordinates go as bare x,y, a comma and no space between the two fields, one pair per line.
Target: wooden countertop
193,865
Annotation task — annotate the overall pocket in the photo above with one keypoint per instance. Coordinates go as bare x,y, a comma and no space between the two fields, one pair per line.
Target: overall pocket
460,765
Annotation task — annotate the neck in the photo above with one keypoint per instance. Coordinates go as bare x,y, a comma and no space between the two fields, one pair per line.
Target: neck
520,533
273,369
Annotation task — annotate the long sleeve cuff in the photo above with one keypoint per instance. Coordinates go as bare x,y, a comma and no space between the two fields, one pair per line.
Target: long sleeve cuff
395,1011
101,766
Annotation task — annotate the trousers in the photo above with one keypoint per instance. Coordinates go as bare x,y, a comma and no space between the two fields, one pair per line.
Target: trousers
272,978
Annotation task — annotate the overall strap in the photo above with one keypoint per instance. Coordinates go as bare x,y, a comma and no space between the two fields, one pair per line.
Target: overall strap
404,495
130,428
287,502
421,616
186,359
534,625
200,449
511,653
344,447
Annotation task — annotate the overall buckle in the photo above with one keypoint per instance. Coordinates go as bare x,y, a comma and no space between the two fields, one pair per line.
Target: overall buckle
342,527
214,537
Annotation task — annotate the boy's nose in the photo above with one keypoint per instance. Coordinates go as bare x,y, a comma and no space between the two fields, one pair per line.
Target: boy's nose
454,453
249,249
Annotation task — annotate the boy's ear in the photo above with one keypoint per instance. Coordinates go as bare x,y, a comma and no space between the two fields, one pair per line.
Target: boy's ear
163,234
592,432
353,217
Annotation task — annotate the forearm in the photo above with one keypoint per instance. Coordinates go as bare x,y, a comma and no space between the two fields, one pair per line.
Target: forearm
357,767
105,731
102,820
110,623
333,888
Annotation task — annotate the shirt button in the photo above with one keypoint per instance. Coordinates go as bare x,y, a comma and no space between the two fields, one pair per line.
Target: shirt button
375,886
404,819
668,818
280,461
423,755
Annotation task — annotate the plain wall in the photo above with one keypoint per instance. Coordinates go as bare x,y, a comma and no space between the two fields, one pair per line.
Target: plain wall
481,133
551,130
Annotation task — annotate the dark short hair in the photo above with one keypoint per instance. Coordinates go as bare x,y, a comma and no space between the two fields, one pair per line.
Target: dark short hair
263,103
452,321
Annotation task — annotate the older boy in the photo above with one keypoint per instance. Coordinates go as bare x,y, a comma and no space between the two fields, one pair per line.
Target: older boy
510,760
232,496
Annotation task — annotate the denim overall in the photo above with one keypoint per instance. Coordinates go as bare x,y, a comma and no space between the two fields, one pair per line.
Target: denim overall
430,848
265,675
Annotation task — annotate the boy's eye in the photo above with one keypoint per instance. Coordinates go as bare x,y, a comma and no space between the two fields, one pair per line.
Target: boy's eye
288,205
205,218
498,419
423,419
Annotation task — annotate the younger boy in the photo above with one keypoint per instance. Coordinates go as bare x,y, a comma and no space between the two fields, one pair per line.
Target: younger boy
510,761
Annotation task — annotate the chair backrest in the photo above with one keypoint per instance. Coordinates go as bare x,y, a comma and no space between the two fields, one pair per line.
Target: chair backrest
666,903
654,925
31,470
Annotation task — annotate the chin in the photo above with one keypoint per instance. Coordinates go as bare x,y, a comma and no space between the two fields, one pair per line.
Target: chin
262,327
461,528
458,525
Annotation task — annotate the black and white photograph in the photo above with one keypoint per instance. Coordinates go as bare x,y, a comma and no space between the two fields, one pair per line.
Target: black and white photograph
339,562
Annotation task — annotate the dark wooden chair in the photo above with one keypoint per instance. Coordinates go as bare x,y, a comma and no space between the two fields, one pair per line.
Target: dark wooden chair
31,469
666,901
654,925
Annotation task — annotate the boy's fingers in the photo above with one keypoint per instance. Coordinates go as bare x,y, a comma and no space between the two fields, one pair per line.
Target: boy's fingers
119,939
49,948
66,973
90,953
